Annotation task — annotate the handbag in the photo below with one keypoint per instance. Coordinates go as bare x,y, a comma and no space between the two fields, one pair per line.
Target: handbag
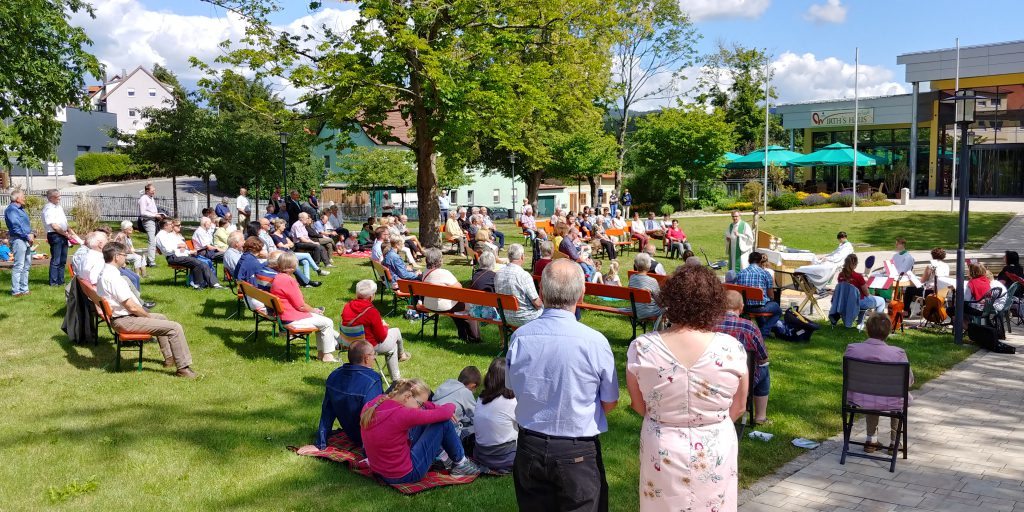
987,337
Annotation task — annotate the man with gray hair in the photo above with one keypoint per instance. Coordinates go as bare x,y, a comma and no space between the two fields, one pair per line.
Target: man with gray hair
386,340
20,232
513,280
234,253
87,263
58,235
563,375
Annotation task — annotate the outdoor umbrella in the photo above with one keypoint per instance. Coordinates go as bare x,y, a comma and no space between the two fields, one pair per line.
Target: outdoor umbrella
837,154
730,156
777,156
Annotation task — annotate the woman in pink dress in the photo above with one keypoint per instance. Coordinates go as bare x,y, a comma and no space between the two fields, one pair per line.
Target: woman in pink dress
690,385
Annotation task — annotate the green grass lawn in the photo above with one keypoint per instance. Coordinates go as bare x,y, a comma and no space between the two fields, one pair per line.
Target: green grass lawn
78,436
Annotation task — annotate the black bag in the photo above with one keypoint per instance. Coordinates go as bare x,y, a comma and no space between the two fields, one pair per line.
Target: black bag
795,327
987,337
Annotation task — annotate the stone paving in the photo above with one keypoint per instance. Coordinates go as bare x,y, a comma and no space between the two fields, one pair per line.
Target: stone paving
966,452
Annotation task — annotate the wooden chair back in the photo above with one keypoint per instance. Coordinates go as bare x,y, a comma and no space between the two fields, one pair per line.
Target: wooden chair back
637,295
465,295
657,277
748,292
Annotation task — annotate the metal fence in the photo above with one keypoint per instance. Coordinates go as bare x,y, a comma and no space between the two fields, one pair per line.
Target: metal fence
733,187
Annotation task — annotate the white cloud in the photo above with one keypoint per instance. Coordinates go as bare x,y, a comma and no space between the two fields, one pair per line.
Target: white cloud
126,34
832,11
804,77
700,10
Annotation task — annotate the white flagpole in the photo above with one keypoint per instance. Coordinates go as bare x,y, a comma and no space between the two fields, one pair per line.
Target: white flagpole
956,87
856,120
767,81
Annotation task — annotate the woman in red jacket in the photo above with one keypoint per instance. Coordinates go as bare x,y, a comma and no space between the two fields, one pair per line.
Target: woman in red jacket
385,340
403,432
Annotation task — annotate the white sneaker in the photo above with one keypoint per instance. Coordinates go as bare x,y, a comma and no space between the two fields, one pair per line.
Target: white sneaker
324,273
466,468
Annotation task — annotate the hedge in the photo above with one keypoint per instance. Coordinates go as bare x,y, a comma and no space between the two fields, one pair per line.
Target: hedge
97,167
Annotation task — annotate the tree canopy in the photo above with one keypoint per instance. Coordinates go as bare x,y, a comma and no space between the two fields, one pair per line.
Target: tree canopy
733,81
43,69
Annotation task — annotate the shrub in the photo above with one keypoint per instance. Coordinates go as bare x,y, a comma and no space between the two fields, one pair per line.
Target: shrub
842,199
667,209
752,192
708,196
878,196
814,199
802,195
86,213
96,167
741,206
784,202
826,195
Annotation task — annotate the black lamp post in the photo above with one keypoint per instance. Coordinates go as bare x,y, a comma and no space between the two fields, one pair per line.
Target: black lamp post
284,162
965,102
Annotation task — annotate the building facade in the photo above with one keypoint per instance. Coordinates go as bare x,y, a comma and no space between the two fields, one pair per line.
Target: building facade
81,132
915,133
128,95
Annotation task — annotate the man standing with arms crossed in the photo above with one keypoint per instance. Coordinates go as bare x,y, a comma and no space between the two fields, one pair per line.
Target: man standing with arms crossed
58,235
563,375
149,217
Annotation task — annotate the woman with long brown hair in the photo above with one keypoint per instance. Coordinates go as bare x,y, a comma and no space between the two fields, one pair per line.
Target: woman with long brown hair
494,420
850,275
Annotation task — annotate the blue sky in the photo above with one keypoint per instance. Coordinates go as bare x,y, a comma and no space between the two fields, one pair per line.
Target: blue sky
812,41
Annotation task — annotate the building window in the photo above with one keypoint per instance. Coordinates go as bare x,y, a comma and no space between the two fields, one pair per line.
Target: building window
106,149
327,163
152,92
453,196
83,149
131,112
131,91
497,195
470,198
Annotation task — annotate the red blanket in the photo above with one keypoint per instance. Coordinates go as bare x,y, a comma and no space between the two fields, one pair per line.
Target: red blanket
340,449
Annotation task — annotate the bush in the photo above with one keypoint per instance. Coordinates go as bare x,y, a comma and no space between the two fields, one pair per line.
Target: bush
842,199
802,195
814,199
878,196
667,209
86,213
708,196
784,202
752,192
97,167
742,206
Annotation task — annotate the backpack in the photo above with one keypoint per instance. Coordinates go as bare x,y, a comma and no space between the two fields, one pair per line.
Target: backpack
795,327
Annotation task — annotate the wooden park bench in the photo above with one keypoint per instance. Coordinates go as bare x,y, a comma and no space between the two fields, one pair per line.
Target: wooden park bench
383,277
272,307
501,302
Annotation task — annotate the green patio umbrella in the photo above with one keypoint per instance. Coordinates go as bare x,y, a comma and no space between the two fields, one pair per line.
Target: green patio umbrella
730,156
777,156
834,154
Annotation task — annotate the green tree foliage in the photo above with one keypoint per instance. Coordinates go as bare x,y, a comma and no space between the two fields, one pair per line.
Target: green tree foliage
583,156
453,67
656,41
364,169
733,81
168,77
43,69
681,144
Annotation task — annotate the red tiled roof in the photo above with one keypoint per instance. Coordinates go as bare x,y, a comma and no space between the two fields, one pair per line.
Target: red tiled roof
545,186
399,127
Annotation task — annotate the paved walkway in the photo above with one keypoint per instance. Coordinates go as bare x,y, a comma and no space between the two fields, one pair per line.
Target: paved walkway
1010,238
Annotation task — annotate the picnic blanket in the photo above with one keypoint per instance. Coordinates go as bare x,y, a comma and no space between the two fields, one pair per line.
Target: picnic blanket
340,449
359,254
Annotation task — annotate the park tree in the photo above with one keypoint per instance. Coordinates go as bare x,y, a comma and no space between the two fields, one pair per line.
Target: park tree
450,66
367,169
583,156
656,42
43,69
733,81
677,144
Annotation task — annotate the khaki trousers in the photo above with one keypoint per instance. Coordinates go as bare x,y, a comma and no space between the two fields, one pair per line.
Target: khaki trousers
169,335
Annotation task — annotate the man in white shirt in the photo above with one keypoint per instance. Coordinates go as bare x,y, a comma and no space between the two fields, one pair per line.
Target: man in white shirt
150,216
202,240
242,206
444,204
903,260
87,262
305,243
825,267
58,235
177,253
128,314
489,224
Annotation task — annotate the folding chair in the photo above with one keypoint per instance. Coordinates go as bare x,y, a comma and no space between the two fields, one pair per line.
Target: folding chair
350,335
741,425
875,381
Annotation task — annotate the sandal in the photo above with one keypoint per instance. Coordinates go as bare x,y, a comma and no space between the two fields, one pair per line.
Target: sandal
767,422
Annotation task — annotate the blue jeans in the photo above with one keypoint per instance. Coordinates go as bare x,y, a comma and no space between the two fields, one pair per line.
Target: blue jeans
614,209
500,238
22,262
133,277
762,382
768,307
306,263
58,257
587,270
426,442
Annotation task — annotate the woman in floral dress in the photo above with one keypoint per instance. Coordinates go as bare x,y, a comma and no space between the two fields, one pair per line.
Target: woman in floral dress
690,385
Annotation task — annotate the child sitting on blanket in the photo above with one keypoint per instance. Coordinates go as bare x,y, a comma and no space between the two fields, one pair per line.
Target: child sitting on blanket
403,432
597,276
460,394
496,428
612,276
5,249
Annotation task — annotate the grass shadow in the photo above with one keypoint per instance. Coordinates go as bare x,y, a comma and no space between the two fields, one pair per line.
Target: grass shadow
262,345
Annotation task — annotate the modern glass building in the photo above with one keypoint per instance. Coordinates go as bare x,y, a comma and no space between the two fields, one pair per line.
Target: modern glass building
914,132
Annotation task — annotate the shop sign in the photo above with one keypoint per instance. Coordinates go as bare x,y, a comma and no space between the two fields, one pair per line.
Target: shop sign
842,117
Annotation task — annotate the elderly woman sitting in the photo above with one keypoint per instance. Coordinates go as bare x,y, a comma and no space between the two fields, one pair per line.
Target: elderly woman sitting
454,230
137,259
385,339
296,312
642,265
434,274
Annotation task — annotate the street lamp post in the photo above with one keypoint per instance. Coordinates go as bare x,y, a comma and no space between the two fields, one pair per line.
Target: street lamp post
965,102
512,160
284,162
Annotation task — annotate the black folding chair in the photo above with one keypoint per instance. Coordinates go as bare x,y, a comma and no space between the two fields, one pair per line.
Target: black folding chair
741,425
882,380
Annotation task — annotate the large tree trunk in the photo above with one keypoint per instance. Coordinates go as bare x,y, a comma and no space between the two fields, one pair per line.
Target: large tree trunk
174,193
426,193
206,178
593,192
533,186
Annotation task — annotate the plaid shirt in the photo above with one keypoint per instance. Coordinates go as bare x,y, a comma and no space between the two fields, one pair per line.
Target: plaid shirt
756,277
747,333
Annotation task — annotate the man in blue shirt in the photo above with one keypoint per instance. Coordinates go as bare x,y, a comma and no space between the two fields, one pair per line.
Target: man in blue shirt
393,262
348,389
756,276
627,201
222,209
563,375
568,248
20,233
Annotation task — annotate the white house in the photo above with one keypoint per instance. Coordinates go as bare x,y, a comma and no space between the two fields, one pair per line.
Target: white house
128,94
